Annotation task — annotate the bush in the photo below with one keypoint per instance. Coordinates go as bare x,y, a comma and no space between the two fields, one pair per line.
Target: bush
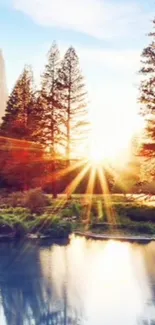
76,209
35,200
142,228
58,230
139,213
66,213
71,210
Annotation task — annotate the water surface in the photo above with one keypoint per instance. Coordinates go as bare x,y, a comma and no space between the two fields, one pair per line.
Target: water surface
85,282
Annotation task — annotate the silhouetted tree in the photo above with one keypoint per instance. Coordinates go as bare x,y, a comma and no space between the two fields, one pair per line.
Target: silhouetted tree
147,92
73,97
51,98
50,95
39,111
18,121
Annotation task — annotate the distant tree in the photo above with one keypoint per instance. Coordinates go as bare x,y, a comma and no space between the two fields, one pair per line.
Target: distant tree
147,94
73,97
18,121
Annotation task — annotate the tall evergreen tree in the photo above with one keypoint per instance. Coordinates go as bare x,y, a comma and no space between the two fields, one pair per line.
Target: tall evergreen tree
51,100
39,111
147,93
18,121
73,98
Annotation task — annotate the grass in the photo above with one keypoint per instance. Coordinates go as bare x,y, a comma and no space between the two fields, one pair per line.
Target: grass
59,218
21,222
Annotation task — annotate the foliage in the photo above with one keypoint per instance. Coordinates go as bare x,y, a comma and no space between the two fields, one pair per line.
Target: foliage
131,217
52,101
14,219
20,163
73,96
35,200
72,209
147,93
51,118
19,121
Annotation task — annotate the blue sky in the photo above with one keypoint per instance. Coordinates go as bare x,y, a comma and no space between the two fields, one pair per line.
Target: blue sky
109,36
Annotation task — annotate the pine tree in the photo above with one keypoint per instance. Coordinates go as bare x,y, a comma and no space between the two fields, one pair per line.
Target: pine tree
73,98
18,121
147,93
39,109
50,98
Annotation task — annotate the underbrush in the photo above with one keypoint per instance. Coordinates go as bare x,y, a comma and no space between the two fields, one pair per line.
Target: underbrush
34,212
20,221
35,200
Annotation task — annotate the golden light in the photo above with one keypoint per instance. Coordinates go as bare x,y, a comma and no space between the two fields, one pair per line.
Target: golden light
96,155
104,149
110,141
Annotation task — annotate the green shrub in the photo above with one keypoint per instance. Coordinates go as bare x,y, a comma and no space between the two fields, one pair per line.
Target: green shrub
55,227
144,228
76,209
55,219
16,213
35,200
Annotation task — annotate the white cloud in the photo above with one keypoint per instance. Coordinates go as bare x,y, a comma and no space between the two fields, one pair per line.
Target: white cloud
99,18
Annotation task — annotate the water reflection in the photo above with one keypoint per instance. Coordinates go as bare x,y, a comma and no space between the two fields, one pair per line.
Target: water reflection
85,282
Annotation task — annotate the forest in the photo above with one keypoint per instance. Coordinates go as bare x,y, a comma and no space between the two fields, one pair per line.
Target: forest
46,130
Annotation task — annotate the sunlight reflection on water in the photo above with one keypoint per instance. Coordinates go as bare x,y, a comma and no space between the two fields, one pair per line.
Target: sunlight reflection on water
85,282
105,281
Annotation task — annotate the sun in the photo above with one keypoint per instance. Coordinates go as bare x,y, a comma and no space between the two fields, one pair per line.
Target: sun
111,138
106,147
96,157
102,150
96,154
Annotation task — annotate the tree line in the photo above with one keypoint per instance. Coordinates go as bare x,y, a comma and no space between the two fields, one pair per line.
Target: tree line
42,125
54,116
147,95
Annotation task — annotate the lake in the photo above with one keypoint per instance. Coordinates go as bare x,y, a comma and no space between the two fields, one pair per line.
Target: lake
83,282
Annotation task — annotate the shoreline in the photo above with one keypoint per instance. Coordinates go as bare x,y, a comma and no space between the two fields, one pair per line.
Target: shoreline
141,239
131,239
56,220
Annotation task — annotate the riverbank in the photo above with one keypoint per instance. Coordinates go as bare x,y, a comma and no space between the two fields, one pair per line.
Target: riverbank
34,214
142,239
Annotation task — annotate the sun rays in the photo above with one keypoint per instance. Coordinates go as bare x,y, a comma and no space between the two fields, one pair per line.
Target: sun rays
95,170
89,171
